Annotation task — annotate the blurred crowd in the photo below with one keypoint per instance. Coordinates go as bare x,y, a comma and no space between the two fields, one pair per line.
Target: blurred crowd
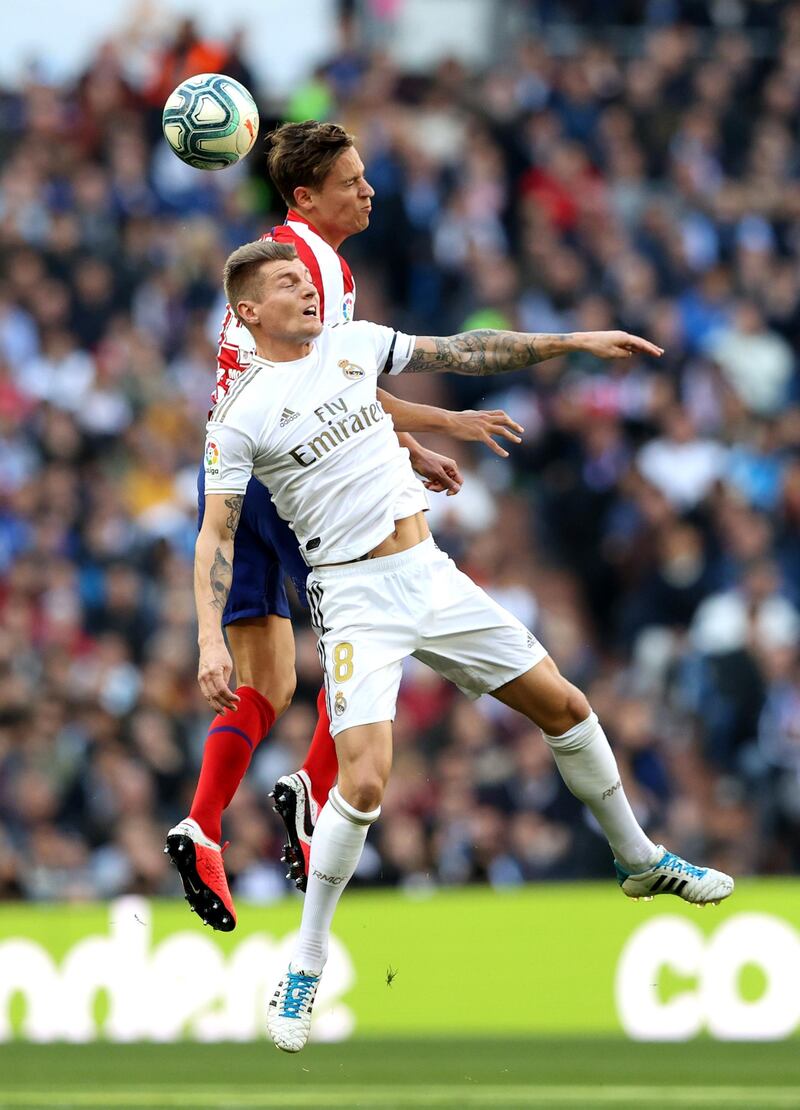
648,530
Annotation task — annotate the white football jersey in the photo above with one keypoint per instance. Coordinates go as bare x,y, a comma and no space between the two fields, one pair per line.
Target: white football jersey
332,278
314,433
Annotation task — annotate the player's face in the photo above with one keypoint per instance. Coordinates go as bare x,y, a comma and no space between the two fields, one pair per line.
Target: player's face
289,306
341,207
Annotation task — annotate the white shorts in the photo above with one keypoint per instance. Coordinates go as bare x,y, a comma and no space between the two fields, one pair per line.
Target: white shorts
369,616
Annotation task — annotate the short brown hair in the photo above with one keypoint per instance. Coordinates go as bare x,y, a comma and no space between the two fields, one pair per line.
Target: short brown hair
303,154
242,276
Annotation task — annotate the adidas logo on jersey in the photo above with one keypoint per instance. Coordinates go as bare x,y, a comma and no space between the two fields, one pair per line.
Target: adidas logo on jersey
287,416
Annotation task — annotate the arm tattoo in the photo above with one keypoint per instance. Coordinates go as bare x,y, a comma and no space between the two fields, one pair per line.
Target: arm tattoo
484,352
221,578
235,506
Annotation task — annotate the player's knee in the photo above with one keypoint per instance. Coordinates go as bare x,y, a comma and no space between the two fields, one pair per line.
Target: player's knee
567,708
362,789
283,693
277,687
368,795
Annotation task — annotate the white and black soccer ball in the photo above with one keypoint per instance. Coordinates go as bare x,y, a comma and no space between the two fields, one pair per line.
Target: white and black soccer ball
210,121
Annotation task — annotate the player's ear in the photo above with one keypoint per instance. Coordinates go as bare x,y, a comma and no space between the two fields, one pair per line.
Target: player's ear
247,312
303,199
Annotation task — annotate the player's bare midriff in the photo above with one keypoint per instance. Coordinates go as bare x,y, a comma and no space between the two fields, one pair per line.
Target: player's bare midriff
408,532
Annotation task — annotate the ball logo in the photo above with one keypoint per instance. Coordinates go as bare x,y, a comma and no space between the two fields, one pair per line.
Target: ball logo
348,308
212,458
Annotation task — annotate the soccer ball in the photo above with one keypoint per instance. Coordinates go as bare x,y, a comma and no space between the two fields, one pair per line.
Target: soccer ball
210,121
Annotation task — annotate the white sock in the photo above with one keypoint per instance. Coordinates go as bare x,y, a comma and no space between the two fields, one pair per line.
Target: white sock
336,846
588,767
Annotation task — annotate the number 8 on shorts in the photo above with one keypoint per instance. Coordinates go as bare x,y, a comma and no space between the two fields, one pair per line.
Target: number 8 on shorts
343,662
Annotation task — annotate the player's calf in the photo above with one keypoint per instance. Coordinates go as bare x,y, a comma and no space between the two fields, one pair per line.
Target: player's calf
701,886
198,860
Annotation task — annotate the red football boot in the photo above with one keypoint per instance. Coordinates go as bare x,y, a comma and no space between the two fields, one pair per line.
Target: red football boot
199,864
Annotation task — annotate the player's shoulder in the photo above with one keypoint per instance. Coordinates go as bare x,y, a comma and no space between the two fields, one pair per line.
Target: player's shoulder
246,402
359,343
350,333
283,233
303,238
356,330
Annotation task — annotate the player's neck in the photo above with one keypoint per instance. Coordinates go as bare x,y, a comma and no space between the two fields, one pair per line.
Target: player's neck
282,350
330,234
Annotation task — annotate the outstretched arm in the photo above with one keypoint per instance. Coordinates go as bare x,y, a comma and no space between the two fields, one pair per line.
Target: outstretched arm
213,573
440,473
474,425
498,352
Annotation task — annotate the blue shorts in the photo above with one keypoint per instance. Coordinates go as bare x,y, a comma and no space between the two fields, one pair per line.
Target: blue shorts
264,550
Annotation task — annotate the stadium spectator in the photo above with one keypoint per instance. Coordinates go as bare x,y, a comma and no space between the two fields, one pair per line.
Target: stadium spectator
648,528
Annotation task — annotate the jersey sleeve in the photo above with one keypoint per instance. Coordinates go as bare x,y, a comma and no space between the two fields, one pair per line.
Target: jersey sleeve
228,459
393,348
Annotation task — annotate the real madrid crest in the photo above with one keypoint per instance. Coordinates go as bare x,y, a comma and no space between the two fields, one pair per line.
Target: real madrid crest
339,703
350,370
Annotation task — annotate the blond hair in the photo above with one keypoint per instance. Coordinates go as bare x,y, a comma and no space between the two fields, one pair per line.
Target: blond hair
243,275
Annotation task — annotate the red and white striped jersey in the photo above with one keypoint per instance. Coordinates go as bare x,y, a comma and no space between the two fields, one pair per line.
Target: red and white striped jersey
330,274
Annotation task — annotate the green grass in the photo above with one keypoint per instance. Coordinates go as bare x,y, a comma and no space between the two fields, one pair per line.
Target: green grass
400,1075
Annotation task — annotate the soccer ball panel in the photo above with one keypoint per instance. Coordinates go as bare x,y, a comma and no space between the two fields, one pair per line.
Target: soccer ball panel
210,121
210,110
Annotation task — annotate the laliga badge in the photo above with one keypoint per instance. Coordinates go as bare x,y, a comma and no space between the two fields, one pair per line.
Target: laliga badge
212,459
350,370
339,703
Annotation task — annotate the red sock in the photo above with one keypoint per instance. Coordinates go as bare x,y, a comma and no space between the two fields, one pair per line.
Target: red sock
321,765
232,739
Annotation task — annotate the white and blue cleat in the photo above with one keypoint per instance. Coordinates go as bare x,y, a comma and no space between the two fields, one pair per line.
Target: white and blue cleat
289,1012
702,886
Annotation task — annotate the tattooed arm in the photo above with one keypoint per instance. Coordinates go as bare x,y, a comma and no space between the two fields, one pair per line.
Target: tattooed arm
497,352
213,573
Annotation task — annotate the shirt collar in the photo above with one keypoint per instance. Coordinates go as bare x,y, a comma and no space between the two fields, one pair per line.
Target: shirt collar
265,362
293,217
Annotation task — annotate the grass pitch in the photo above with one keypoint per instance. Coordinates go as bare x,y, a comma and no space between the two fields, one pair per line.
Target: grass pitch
401,1075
